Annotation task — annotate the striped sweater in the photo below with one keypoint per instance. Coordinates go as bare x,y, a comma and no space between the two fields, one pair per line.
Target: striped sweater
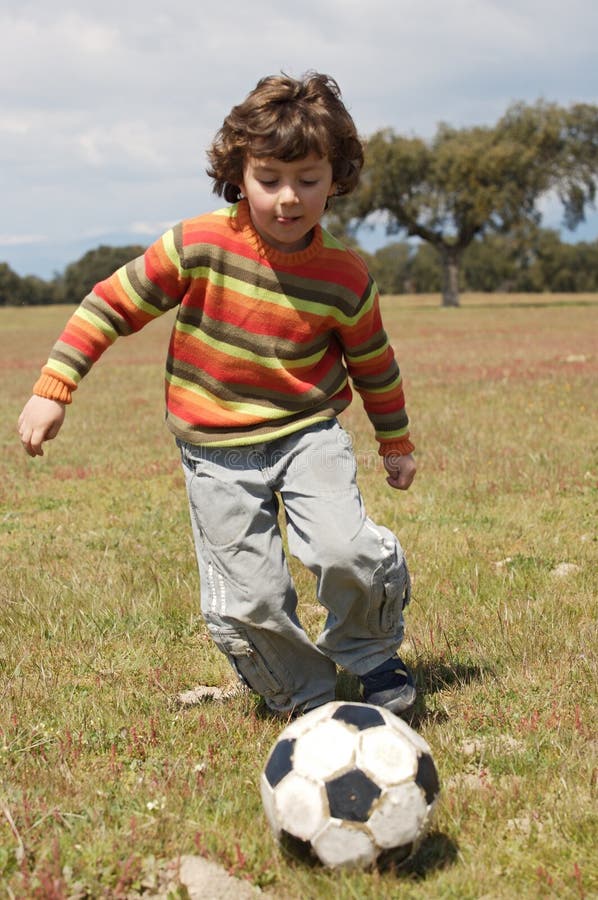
264,342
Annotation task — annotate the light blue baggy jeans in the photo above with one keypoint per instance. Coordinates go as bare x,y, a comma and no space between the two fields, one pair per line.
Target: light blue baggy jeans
248,598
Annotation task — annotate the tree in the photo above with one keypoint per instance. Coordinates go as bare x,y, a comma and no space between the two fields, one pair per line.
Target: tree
497,262
95,265
389,266
10,284
27,291
470,181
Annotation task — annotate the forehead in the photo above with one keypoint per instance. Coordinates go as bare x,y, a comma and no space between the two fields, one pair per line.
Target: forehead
270,163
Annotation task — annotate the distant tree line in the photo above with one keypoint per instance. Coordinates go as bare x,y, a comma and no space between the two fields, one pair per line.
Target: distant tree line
526,260
535,262
70,287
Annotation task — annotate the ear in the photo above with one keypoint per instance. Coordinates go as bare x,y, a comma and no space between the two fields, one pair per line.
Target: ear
332,191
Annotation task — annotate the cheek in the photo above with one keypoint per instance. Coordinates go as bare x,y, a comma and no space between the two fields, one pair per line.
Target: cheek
258,205
261,201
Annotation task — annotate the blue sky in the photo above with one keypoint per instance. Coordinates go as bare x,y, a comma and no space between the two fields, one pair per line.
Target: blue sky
108,107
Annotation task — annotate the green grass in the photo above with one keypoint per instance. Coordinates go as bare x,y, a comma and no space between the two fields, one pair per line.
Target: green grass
104,779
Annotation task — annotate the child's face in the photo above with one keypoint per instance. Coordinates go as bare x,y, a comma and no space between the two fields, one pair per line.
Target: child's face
287,199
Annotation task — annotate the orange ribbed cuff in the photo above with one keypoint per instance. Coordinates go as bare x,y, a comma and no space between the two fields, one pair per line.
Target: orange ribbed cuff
396,448
53,388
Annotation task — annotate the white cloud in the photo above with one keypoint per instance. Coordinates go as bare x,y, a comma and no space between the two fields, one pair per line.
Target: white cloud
20,240
108,107
132,141
150,229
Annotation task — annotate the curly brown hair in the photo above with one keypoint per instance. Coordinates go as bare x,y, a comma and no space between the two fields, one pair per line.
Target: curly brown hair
287,118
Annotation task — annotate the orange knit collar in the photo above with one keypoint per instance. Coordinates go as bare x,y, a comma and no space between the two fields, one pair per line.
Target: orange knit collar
276,257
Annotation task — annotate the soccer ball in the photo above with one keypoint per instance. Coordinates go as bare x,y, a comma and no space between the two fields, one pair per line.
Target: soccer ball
350,785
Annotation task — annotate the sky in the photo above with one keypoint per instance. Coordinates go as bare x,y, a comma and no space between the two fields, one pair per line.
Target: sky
108,106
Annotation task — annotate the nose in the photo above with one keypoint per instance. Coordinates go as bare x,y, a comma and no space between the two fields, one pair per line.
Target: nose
288,194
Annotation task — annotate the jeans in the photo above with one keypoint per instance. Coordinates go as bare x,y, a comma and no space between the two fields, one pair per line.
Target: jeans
248,598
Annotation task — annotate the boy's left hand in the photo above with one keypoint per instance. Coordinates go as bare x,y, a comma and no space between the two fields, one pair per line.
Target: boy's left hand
401,470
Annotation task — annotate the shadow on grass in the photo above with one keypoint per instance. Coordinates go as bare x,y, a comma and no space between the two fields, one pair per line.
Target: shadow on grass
430,677
437,851
435,675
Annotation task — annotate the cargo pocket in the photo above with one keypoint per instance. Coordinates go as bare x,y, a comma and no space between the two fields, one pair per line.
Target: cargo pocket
390,594
253,659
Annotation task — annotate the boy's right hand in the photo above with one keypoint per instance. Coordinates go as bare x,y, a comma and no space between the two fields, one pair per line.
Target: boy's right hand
40,421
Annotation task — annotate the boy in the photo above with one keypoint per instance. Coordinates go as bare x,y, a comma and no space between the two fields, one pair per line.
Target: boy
274,316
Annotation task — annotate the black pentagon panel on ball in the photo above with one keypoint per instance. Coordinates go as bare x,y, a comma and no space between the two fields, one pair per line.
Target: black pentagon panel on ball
427,777
360,715
280,762
350,796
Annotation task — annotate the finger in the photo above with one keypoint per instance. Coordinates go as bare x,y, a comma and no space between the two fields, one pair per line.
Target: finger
25,435
28,448
401,482
396,484
32,442
37,439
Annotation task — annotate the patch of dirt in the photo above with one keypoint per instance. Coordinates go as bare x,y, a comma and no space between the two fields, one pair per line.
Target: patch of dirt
502,743
203,693
204,880
564,569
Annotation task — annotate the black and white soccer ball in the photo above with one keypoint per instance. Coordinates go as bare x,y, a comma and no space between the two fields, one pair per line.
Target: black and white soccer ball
350,785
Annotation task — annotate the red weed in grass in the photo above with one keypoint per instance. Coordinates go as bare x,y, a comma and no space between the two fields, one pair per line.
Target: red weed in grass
25,877
50,883
72,473
135,747
140,740
200,844
70,747
579,726
130,872
239,863
544,877
241,867
116,767
529,723
554,720
579,880
25,813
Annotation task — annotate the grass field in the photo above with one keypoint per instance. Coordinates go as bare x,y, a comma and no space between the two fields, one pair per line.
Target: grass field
104,779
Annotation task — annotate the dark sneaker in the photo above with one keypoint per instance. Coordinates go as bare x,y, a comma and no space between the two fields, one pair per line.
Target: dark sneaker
390,685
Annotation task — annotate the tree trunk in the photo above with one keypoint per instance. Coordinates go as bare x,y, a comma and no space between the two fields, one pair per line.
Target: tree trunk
450,276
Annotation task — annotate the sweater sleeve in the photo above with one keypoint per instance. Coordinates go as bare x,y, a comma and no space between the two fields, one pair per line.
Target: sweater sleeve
137,293
376,376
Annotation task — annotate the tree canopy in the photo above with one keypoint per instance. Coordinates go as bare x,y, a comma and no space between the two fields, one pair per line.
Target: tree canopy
469,181
95,265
